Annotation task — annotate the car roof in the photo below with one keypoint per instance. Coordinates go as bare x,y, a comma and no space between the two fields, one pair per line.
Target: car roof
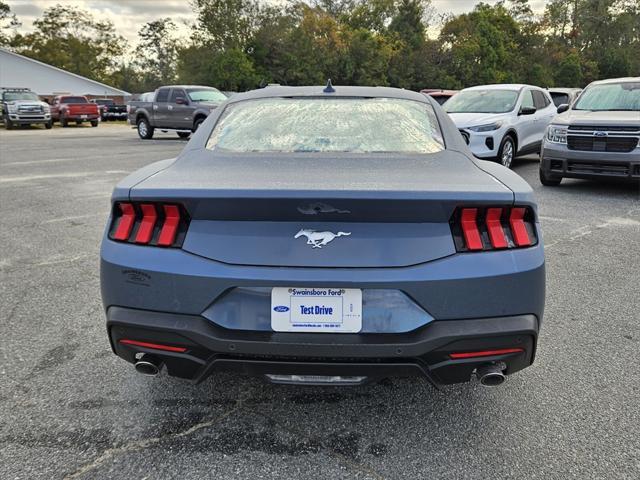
563,90
502,86
338,91
187,86
616,80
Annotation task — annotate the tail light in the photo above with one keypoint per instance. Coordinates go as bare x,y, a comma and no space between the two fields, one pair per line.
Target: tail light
149,223
493,228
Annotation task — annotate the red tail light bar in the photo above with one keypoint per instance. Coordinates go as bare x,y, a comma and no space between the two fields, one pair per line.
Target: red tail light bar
149,223
155,346
485,353
477,229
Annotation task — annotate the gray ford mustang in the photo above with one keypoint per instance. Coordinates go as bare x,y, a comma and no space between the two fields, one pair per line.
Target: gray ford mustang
325,235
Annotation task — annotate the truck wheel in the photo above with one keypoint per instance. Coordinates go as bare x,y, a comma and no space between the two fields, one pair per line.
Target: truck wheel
184,134
78,122
49,125
145,131
549,180
94,123
63,122
197,124
8,124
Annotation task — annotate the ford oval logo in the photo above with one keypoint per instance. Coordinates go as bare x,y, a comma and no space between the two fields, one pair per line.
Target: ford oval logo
599,134
281,309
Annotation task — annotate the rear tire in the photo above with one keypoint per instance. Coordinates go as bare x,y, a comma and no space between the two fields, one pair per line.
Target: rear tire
145,131
507,151
549,180
197,124
94,123
184,134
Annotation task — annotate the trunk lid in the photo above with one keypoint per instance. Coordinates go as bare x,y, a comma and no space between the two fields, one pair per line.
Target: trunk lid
392,210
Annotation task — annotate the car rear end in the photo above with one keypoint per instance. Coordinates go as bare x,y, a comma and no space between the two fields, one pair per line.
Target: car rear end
79,109
323,267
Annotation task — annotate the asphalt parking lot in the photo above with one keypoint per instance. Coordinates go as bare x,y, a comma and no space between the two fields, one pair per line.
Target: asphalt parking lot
70,409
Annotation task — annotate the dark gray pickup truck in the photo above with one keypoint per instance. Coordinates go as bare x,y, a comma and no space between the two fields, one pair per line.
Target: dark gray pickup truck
179,108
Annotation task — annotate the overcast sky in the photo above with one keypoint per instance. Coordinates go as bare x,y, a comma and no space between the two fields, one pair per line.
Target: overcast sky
129,15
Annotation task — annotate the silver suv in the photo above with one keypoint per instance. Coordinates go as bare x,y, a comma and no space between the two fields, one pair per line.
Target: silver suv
597,137
502,121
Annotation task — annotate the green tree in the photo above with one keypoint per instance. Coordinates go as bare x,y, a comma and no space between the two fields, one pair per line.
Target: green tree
229,69
70,38
226,24
157,53
483,45
8,21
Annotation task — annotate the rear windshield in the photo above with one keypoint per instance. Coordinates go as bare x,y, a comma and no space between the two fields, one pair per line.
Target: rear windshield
73,100
357,125
482,101
104,101
559,98
623,96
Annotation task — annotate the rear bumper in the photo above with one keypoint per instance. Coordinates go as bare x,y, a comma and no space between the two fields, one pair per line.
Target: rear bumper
423,352
82,117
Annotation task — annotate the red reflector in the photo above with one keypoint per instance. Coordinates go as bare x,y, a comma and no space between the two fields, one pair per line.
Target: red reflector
155,346
485,353
170,226
494,227
126,221
470,229
145,230
518,227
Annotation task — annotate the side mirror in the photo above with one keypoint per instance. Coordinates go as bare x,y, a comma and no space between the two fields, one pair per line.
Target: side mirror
181,101
563,108
527,110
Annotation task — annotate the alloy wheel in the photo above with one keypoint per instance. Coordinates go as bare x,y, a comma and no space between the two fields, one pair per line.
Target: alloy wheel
507,154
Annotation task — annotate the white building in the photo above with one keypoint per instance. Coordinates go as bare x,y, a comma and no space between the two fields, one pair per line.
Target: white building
48,81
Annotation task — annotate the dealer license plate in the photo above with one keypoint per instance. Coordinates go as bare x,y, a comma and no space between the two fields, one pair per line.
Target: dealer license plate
83,116
316,309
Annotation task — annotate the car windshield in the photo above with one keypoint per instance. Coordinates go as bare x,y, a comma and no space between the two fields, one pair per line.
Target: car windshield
482,101
623,96
73,100
13,96
356,125
208,95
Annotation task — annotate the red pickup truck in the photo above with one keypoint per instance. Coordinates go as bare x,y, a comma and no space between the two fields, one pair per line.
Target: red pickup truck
77,109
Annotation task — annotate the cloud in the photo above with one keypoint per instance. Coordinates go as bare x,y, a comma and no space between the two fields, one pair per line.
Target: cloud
128,16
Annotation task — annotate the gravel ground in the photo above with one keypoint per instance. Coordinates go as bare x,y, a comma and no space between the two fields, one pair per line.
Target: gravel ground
70,409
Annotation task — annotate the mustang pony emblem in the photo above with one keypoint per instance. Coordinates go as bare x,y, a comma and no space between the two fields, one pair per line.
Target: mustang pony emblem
319,239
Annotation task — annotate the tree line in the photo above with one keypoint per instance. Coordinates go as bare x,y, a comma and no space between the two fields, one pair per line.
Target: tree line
244,44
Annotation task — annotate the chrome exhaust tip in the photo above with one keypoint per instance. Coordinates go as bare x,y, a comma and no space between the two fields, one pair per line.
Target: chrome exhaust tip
148,365
491,375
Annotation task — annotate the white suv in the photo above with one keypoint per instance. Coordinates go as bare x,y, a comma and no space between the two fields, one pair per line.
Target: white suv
502,121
